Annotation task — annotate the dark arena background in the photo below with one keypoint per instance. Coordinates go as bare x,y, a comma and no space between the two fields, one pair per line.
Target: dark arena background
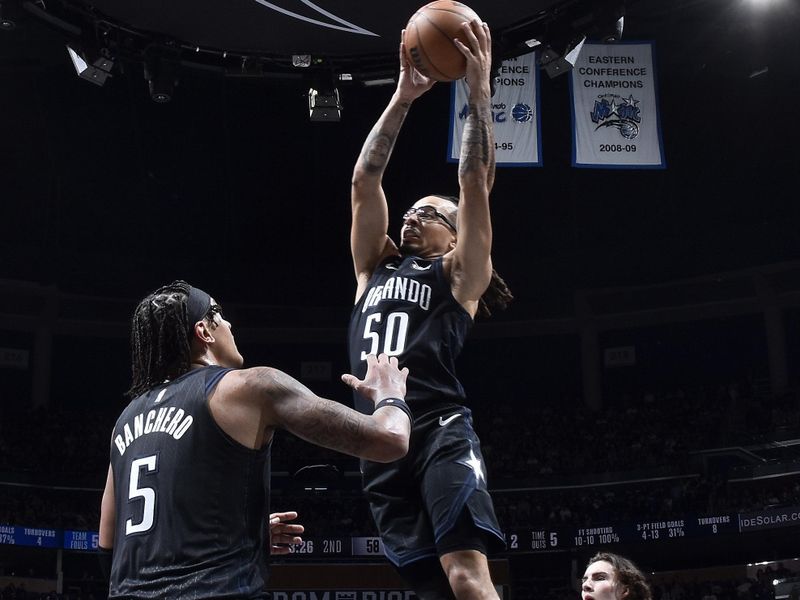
640,394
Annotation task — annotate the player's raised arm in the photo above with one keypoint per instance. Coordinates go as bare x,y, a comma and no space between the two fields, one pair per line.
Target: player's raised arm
472,265
369,241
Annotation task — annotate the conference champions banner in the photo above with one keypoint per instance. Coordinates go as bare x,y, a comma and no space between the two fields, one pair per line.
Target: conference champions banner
515,114
615,121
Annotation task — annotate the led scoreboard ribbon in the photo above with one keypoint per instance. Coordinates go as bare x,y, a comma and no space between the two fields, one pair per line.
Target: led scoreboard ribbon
16,535
30,536
532,540
518,540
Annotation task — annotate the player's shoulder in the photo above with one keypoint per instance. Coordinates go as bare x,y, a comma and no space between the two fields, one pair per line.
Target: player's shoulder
247,378
246,387
255,380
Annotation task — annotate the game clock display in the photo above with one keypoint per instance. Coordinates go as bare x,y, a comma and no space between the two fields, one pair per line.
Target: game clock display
518,540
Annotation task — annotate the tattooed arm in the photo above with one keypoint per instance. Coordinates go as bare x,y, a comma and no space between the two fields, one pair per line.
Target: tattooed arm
369,241
470,264
251,403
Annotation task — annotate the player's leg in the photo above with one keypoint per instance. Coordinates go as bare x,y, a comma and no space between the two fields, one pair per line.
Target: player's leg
462,553
403,524
455,493
427,579
467,572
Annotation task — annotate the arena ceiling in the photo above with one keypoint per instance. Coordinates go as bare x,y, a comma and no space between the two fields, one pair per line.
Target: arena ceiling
331,27
253,37
103,188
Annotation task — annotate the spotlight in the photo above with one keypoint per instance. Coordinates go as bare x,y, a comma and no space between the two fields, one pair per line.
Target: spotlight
8,17
97,72
324,104
162,78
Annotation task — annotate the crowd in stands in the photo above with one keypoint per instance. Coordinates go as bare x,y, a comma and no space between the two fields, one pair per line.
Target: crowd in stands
528,444
522,441
541,440
43,441
663,500
18,592
532,451
49,507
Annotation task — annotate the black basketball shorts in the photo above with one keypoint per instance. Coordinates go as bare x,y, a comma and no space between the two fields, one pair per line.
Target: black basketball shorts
418,499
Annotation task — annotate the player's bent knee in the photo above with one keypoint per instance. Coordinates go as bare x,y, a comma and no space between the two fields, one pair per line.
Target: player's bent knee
463,581
468,573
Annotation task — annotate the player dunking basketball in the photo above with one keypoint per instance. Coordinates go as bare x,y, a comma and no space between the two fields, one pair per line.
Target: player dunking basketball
418,302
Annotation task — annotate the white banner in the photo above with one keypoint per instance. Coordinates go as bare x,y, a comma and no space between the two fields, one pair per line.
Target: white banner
515,113
615,122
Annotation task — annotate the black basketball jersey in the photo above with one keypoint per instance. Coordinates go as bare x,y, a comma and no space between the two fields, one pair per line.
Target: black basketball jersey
408,311
191,503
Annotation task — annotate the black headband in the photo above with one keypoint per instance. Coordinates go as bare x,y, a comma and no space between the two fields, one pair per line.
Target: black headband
198,304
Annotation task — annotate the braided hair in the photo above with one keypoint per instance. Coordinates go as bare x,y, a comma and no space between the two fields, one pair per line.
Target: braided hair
160,338
628,575
498,295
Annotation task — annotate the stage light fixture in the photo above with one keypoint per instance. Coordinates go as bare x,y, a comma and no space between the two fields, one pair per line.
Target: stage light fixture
162,78
324,104
557,61
301,60
378,81
96,71
9,16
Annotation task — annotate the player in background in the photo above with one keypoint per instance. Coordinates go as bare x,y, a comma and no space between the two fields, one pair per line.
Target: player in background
184,508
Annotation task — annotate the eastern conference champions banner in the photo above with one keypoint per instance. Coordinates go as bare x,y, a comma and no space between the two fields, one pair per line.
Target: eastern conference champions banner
515,113
615,121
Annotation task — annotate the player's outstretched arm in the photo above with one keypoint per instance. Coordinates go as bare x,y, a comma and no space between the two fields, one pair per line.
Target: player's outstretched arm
380,437
369,241
472,266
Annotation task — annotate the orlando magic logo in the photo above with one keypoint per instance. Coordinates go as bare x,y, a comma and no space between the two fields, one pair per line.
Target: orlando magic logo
611,110
522,113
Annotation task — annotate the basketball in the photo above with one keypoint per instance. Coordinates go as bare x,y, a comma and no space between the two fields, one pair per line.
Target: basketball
429,39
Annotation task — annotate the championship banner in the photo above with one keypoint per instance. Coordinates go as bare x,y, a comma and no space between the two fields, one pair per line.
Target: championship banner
615,122
515,114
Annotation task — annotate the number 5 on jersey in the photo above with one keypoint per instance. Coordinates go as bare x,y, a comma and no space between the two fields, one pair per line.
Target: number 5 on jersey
147,494
395,333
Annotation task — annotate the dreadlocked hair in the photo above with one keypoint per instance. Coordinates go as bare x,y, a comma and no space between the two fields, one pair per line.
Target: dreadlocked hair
160,342
498,295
